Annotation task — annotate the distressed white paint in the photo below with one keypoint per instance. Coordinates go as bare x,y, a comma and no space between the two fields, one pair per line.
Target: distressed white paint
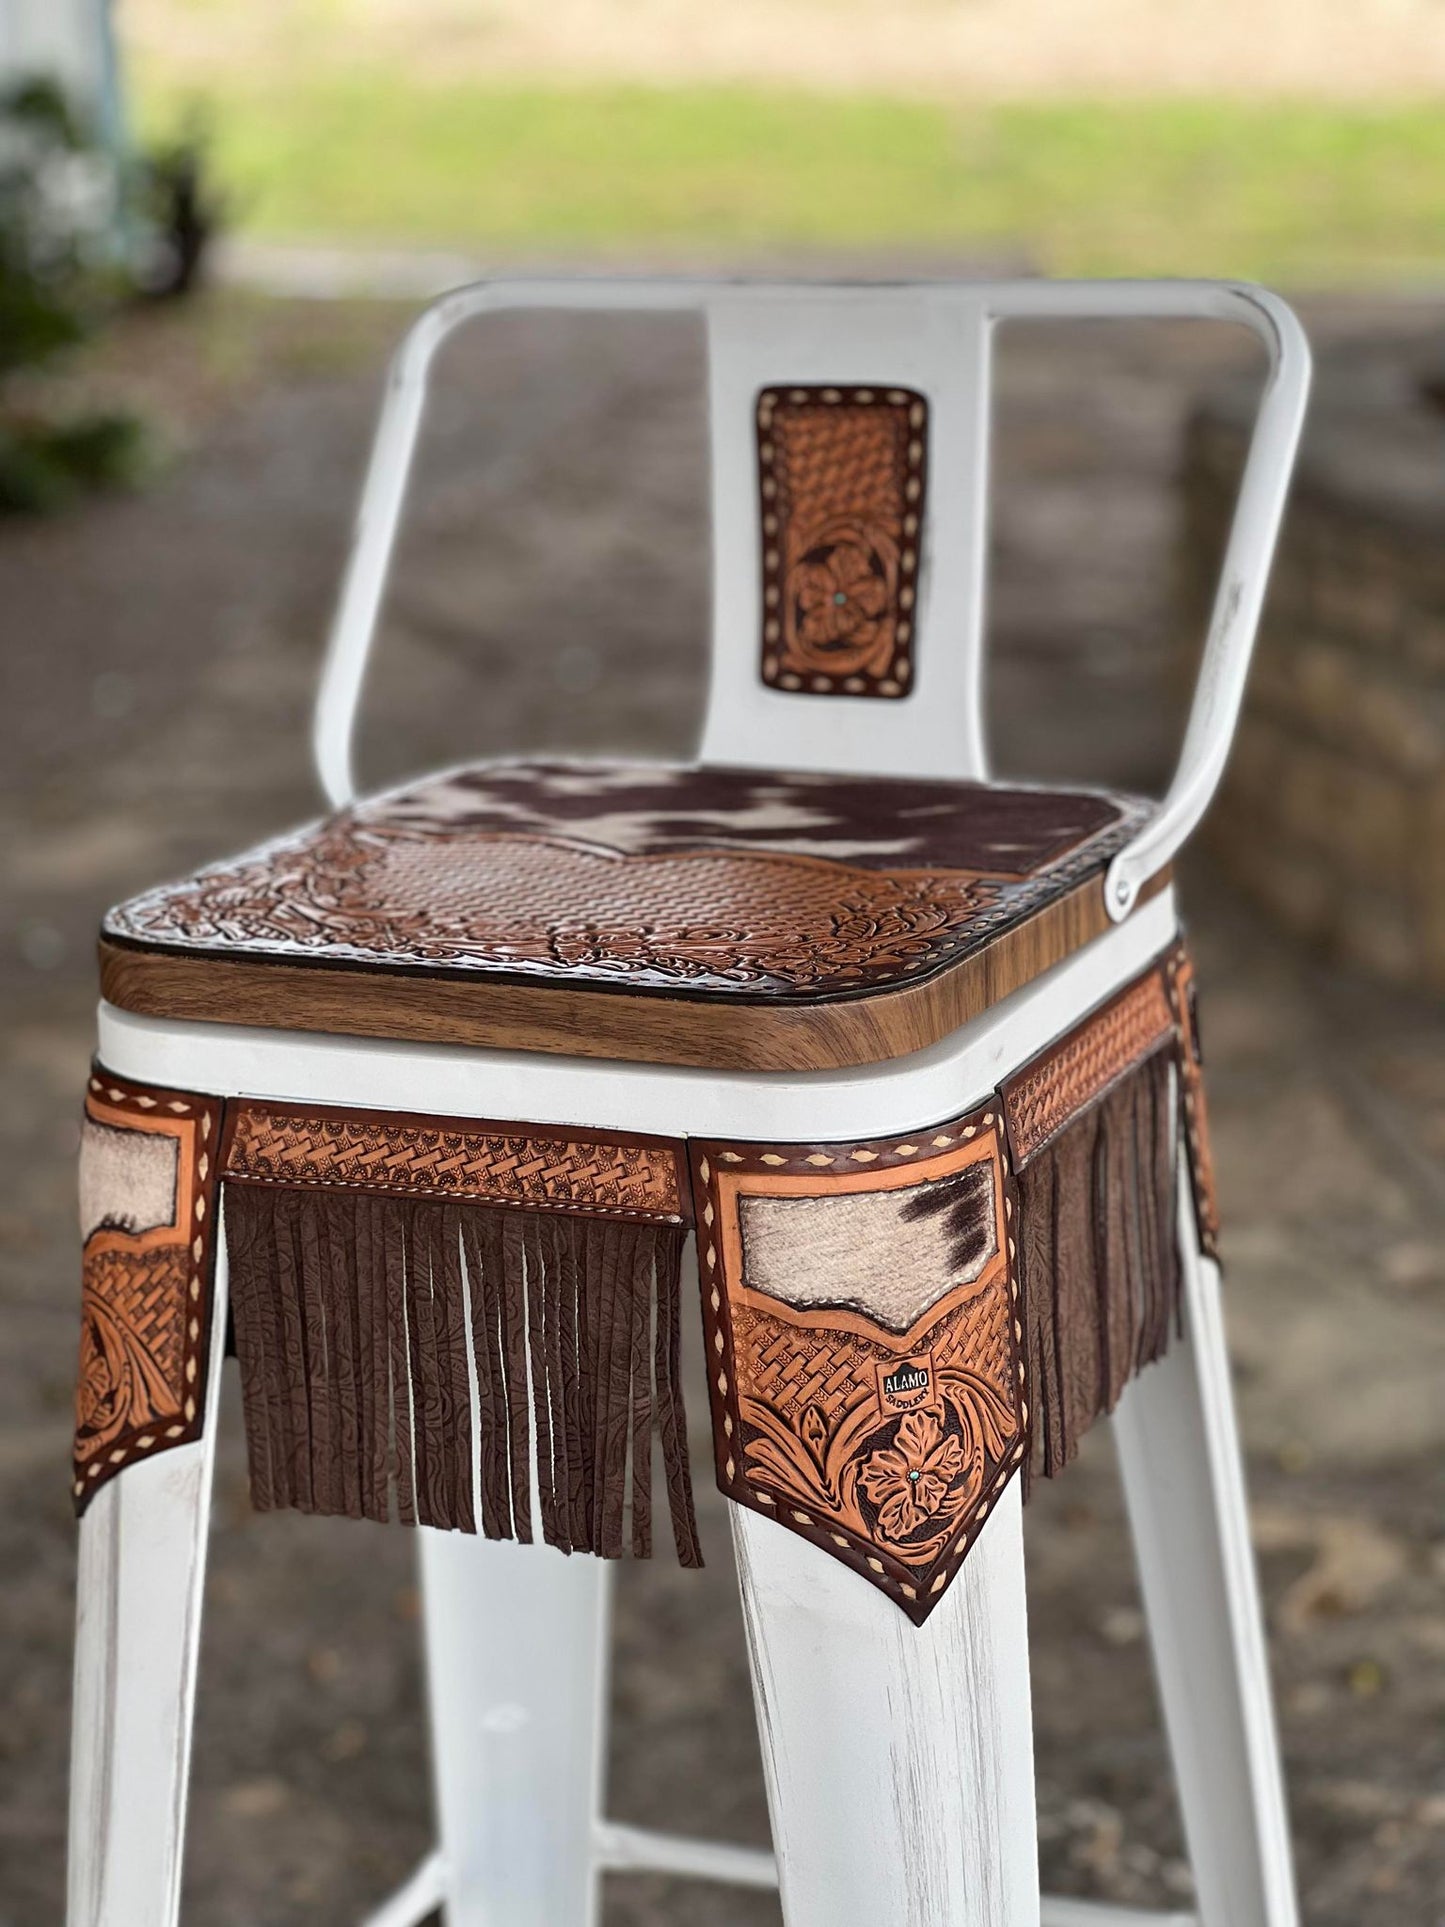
137,1639
899,1759
516,1642
639,1850
1179,1454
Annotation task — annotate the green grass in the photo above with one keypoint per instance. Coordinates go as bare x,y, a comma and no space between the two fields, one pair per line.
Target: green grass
1292,192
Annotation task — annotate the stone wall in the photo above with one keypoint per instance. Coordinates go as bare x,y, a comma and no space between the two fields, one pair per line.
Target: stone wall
1332,813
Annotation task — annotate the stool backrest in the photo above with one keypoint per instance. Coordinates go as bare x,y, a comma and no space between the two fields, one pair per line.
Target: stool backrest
849,450
849,429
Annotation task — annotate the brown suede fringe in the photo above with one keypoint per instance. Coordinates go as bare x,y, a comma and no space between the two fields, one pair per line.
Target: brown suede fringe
1099,1256
391,1276
475,1325
363,1322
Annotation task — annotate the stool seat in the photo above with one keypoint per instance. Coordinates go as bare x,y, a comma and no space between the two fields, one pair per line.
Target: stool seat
721,917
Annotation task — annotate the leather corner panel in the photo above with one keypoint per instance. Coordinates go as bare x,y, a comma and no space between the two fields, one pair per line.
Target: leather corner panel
863,1331
148,1174
842,476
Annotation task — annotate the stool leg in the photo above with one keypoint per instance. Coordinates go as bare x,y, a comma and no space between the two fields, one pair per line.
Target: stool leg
516,1642
1184,1486
138,1623
899,1759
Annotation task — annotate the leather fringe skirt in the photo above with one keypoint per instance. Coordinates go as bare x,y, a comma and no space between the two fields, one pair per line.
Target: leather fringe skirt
477,1325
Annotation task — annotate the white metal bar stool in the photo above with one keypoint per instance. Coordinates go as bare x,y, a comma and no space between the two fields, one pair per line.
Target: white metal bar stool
828,996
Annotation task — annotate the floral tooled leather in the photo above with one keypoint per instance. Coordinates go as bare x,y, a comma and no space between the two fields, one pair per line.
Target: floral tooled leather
882,1426
146,1273
912,1481
842,476
840,594
725,883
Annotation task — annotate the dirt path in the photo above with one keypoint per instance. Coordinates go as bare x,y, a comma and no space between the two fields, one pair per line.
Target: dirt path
159,654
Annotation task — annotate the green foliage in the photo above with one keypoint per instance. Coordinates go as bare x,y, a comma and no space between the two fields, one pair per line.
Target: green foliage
1283,190
46,466
78,236
44,275
178,207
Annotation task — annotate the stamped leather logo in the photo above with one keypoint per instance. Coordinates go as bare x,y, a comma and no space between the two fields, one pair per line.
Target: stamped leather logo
907,1385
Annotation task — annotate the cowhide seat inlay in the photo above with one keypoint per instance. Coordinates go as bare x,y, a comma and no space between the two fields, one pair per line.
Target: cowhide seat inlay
445,908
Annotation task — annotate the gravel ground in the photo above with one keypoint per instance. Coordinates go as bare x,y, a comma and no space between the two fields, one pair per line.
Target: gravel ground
160,652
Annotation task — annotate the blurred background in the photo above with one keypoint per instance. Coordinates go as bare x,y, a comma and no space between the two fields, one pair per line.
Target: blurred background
215,219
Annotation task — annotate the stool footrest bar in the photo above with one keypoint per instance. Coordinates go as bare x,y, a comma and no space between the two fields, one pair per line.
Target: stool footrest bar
622,1849
416,1899
1062,1911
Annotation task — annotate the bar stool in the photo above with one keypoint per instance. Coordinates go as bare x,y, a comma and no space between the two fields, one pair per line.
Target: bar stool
438,1104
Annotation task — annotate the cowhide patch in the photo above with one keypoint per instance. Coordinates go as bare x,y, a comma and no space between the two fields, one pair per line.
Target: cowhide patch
866,1376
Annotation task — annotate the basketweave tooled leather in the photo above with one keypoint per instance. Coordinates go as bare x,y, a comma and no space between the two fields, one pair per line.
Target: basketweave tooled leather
842,473
884,1442
145,1286
464,1160
725,883
1049,1093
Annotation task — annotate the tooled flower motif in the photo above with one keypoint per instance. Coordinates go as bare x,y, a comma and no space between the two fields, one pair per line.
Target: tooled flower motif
130,1348
909,1481
840,596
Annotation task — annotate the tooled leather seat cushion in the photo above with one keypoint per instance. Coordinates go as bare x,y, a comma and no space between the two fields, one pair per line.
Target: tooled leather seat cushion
732,885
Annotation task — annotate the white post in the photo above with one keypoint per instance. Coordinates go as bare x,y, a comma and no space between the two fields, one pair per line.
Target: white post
517,1682
899,1758
137,1640
1183,1481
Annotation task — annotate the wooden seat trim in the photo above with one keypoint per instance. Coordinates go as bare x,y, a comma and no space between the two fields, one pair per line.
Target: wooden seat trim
703,1033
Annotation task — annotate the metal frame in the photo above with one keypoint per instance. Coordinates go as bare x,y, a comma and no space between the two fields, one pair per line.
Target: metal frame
939,1714
1238,602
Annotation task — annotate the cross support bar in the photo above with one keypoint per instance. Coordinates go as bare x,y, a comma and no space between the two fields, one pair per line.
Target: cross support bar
623,1849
